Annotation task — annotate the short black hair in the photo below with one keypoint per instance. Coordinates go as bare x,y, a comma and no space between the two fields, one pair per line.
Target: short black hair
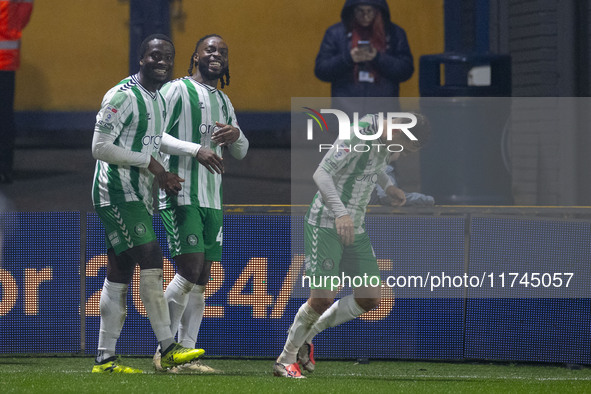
144,45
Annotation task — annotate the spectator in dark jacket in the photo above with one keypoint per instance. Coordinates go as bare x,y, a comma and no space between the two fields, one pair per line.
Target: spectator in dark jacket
364,55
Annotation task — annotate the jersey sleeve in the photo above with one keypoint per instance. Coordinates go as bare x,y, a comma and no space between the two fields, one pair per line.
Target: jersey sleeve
105,150
239,148
231,113
173,146
343,152
338,157
115,114
329,193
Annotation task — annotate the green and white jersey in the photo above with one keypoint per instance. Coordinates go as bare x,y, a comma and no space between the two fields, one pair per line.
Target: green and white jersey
194,109
136,118
354,172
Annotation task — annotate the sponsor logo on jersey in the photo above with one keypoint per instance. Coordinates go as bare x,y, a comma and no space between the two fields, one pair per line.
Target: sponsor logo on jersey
201,105
152,140
369,178
331,163
109,114
341,150
208,128
114,238
105,125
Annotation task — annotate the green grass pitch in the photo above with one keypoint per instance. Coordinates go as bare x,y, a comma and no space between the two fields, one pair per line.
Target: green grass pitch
72,375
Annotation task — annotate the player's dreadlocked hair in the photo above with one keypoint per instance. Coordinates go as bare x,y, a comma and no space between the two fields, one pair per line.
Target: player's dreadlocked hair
225,78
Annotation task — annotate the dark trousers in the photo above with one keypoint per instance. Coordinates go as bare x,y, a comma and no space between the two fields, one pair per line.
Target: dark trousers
7,127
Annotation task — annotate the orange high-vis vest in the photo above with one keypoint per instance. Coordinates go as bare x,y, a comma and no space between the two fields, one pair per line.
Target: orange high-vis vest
14,16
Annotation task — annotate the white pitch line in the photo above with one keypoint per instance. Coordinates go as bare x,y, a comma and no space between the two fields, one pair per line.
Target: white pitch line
471,377
406,377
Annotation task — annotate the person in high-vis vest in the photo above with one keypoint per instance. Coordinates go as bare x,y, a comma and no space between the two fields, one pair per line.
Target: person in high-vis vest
14,16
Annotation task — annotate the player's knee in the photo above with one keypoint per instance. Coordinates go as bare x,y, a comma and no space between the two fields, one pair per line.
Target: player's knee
367,304
187,271
119,268
205,274
320,304
120,277
190,266
148,256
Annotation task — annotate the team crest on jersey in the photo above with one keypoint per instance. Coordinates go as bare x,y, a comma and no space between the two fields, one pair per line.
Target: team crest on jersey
327,264
192,239
140,229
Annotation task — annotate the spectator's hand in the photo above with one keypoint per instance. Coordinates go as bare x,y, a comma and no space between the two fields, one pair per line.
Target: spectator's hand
345,229
210,160
363,55
225,135
358,55
397,196
371,54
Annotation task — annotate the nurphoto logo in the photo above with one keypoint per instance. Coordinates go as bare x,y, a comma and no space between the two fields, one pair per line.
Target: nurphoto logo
394,121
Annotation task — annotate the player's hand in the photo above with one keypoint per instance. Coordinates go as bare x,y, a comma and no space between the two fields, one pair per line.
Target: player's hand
170,183
225,135
397,196
210,160
345,229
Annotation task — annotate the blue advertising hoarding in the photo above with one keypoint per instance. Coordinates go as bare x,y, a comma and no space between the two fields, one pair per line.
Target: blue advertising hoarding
257,288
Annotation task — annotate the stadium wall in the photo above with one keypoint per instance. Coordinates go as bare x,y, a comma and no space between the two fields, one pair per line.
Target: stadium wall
273,45
47,306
